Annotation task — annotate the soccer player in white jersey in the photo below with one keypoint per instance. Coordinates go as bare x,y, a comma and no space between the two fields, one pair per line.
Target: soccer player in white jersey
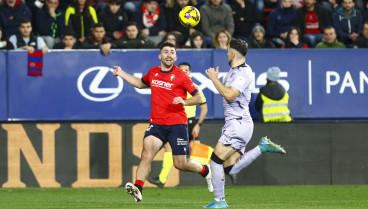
229,156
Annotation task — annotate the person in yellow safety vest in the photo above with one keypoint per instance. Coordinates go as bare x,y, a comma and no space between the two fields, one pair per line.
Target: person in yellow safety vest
193,132
272,100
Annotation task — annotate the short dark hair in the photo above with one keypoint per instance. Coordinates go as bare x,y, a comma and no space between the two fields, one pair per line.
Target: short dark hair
118,2
98,25
240,46
166,43
329,27
185,63
130,23
25,20
69,33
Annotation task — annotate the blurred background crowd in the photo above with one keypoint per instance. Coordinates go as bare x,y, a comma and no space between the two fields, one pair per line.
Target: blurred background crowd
133,24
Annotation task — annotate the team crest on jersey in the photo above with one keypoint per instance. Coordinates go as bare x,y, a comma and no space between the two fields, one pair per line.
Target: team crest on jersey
156,74
172,77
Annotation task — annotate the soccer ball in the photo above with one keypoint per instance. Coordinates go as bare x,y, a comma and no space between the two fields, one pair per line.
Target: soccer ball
189,16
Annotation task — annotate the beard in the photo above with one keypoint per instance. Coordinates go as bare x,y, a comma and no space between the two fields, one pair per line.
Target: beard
167,65
230,62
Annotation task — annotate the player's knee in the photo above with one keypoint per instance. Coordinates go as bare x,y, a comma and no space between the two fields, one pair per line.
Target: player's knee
216,159
146,155
179,165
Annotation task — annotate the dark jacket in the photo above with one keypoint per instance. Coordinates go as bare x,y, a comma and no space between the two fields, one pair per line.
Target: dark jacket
273,91
9,46
160,26
50,26
173,23
361,42
280,20
244,18
19,12
90,43
255,44
140,42
81,25
346,25
113,22
324,17
20,41
61,45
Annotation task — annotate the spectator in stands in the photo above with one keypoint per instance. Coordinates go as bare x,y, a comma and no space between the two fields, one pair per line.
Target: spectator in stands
313,18
245,15
151,20
216,15
172,10
280,21
333,4
26,40
131,7
34,6
294,39
69,41
81,17
197,40
50,23
348,22
362,40
132,39
170,37
99,5
114,18
4,44
330,39
272,100
222,39
259,41
11,13
98,40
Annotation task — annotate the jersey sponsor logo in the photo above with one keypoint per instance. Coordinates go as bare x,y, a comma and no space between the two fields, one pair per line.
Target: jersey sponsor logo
161,84
91,80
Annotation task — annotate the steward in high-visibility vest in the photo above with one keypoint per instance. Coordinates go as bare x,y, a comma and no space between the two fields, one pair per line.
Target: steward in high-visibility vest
272,100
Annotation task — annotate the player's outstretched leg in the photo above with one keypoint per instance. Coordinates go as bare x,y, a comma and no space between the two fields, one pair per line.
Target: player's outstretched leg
134,191
266,145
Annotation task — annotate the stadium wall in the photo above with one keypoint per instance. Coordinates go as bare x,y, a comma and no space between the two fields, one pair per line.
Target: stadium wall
107,154
78,85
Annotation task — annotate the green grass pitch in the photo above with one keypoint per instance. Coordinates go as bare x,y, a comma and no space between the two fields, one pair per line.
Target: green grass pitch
331,197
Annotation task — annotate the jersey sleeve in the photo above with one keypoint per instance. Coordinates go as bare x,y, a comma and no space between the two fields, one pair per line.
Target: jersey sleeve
145,79
240,82
189,85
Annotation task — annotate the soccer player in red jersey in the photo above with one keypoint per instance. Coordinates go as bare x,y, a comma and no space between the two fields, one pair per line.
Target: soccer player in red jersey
168,122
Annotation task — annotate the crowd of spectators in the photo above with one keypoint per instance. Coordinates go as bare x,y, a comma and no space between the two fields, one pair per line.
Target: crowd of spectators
132,24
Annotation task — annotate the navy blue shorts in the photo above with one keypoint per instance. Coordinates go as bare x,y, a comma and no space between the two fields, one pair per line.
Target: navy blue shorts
176,135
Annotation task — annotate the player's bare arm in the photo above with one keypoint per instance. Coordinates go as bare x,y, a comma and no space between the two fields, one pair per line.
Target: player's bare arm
132,80
195,100
229,93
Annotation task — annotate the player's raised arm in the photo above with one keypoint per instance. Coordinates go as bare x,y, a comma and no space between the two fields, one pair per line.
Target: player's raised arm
132,80
229,93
